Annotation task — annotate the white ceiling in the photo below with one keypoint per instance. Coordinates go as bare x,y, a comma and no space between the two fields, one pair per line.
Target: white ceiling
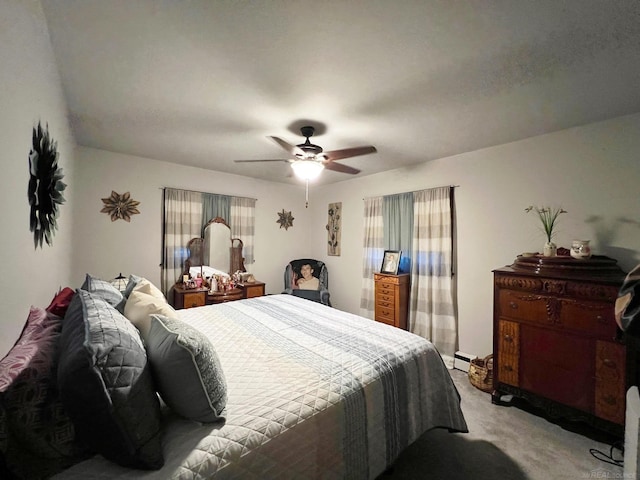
204,82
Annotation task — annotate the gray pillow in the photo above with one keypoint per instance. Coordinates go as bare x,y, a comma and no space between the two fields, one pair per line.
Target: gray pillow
131,284
106,386
186,369
103,289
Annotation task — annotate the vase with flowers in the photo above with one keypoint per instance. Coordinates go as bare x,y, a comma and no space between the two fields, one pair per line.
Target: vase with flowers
549,217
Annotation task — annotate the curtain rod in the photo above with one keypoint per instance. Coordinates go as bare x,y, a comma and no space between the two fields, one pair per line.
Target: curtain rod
414,191
209,193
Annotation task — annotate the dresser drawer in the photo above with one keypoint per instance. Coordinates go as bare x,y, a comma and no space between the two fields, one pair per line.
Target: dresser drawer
523,306
610,381
385,314
384,288
595,318
386,320
387,301
610,361
509,348
194,300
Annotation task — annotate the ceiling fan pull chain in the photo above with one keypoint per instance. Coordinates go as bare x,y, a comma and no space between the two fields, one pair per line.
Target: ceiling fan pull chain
306,195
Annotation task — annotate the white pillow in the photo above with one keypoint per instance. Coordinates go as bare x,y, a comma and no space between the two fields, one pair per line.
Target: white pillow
140,305
145,286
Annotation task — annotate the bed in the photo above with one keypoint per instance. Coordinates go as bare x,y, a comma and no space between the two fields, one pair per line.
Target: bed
313,392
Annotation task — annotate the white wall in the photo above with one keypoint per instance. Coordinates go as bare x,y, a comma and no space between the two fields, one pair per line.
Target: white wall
591,171
106,248
30,91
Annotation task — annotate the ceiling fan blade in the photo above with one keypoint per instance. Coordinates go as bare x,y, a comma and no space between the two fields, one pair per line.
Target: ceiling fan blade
348,152
292,149
264,160
338,167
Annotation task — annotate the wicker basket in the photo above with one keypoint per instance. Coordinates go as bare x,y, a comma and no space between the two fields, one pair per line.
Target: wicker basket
481,373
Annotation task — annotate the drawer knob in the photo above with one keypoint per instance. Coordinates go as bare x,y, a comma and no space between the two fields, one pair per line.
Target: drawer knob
610,399
508,368
508,338
513,305
609,363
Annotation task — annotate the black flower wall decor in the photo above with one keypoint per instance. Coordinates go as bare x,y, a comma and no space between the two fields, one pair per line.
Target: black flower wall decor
120,206
285,219
45,186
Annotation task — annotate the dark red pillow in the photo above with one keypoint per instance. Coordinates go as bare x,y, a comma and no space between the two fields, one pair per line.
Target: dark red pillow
61,302
37,437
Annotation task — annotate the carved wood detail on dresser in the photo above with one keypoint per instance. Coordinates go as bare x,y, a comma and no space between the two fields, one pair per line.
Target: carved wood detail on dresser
555,339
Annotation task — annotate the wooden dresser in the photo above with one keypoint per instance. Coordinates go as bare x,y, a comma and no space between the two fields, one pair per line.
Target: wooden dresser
555,339
392,299
197,297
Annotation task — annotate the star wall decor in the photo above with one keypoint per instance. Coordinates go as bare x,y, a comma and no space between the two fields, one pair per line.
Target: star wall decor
45,186
120,206
285,220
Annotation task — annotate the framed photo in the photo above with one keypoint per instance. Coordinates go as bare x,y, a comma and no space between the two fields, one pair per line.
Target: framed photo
390,261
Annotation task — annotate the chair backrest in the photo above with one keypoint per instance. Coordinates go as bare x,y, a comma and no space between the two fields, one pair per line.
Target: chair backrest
292,272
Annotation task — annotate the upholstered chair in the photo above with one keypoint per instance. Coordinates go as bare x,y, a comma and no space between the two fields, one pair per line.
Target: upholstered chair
292,275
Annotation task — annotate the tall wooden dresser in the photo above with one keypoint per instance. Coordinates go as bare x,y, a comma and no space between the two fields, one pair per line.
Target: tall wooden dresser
392,299
555,339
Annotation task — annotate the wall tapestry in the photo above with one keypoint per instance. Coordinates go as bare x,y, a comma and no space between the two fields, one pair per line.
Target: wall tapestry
285,219
120,206
333,229
45,186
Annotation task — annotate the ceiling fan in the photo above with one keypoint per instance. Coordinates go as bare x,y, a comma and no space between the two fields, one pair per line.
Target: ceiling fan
309,159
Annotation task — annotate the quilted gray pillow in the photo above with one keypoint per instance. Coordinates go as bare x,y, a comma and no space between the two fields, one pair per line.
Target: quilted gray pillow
103,289
106,385
186,369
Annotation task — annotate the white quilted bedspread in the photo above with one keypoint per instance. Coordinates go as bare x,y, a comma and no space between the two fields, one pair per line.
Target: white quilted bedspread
313,392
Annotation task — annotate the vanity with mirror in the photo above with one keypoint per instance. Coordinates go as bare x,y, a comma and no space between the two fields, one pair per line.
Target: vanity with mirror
214,271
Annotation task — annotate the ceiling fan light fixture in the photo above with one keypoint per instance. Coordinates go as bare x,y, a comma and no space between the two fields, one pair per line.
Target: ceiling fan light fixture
307,169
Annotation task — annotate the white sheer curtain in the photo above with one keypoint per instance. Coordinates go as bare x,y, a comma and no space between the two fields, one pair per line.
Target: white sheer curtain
243,224
182,222
432,313
373,252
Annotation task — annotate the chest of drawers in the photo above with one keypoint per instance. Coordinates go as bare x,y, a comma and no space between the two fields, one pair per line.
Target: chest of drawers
392,299
556,342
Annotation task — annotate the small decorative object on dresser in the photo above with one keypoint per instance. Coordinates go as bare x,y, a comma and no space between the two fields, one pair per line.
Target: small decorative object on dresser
580,249
548,216
555,338
391,261
392,299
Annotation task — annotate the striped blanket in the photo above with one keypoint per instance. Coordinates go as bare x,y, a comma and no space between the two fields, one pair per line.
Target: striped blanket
312,392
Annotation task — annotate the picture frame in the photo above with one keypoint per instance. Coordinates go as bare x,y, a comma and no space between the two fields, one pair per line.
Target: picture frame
391,261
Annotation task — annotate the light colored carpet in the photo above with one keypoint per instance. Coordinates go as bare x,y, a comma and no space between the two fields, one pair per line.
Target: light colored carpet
505,442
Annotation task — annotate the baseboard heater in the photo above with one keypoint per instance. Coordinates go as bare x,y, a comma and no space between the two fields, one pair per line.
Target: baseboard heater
461,361
632,434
